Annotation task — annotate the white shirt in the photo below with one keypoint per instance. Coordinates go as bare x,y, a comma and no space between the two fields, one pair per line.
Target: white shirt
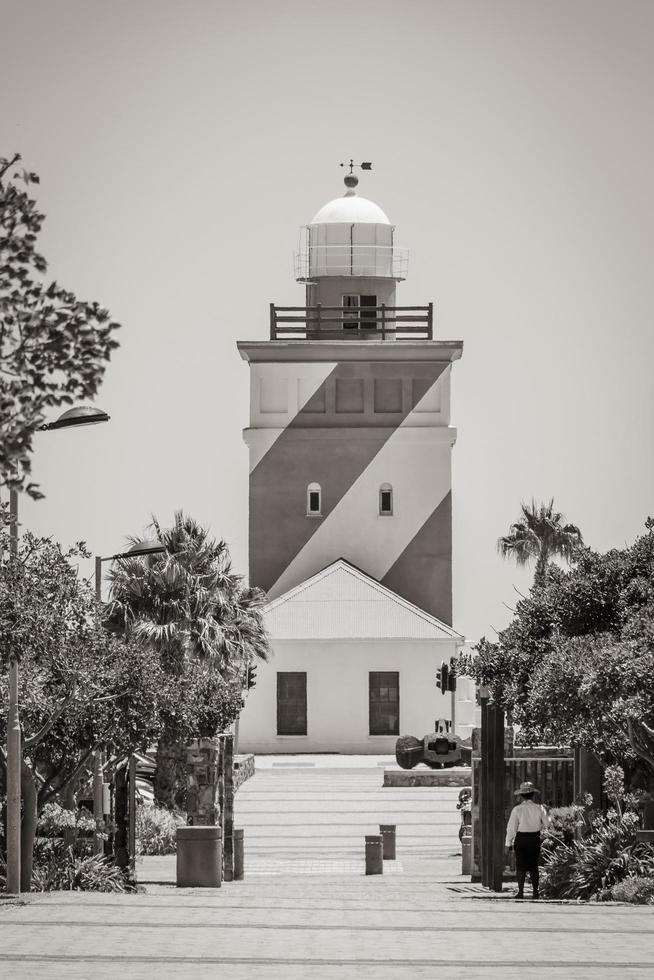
526,818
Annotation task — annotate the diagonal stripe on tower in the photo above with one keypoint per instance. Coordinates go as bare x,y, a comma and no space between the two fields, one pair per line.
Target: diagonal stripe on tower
333,456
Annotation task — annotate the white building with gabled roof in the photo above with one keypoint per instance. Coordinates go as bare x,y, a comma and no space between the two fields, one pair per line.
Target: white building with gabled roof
353,667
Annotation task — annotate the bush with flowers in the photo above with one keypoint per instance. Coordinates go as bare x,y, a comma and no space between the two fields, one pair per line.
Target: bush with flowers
591,855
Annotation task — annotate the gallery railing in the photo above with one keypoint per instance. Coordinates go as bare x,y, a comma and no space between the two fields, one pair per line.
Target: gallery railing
385,261
335,323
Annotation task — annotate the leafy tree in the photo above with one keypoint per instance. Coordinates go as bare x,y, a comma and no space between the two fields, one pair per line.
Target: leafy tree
53,347
80,687
189,606
539,536
577,661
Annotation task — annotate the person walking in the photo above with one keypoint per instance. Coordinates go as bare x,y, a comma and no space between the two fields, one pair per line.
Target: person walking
523,832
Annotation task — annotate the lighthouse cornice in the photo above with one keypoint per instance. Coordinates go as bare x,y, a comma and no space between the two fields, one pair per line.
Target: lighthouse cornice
255,351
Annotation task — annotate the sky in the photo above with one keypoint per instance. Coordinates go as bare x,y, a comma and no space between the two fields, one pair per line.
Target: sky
181,145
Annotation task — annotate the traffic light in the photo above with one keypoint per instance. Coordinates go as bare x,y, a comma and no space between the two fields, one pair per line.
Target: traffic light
251,676
451,679
442,678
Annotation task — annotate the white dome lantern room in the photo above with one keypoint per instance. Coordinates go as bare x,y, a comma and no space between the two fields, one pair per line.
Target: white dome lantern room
349,237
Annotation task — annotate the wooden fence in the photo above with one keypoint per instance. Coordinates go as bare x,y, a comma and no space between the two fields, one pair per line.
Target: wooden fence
554,777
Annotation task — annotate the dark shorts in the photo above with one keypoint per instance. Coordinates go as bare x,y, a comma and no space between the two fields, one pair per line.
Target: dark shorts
527,850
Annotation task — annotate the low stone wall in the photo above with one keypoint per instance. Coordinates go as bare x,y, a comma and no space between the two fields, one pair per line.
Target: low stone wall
243,769
456,776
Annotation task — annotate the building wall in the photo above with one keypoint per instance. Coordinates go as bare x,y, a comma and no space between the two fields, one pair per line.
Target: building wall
351,427
337,694
468,713
316,394
329,290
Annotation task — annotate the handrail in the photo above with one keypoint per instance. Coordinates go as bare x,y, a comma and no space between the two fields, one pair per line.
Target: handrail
312,323
361,259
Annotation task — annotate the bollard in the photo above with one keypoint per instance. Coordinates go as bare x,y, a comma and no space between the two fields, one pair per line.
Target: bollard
387,831
466,851
374,859
199,862
238,854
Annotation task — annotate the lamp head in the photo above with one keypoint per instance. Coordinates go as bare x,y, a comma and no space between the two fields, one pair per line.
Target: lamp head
81,415
145,547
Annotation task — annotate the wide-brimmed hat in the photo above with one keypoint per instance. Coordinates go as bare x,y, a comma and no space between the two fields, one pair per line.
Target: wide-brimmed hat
525,788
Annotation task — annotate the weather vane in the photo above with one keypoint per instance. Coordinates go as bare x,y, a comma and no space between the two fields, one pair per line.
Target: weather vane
366,165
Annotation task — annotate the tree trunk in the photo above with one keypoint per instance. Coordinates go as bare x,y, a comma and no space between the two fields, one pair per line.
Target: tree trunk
27,827
540,574
3,795
170,774
68,802
121,816
641,738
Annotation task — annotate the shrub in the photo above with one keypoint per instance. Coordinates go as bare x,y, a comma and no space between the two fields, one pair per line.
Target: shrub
49,849
605,854
156,830
634,889
58,828
557,852
55,819
565,823
58,868
613,783
587,854
65,871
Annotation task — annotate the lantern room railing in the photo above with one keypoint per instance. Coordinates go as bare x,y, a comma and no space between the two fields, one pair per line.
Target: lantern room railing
335,323
366,261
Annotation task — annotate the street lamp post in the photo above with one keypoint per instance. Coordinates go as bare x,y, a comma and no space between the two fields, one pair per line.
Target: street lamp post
85,415
14,753
145,547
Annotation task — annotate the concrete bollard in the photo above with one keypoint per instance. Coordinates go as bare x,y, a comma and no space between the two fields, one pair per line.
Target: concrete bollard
374,859
199,858
387,831
239,869
466,851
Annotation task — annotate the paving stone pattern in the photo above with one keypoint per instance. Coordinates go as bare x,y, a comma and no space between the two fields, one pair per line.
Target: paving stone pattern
306,910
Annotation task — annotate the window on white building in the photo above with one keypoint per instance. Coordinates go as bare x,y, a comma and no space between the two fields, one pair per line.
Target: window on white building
292,702
359,311
386,500
384,702
314,500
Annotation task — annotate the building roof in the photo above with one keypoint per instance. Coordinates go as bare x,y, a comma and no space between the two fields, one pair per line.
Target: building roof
342,602
352,210
292,351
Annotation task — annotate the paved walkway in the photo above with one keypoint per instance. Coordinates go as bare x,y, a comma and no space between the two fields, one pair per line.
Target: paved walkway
291,920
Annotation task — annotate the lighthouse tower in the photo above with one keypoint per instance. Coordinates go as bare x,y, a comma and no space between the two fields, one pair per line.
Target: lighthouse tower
349,437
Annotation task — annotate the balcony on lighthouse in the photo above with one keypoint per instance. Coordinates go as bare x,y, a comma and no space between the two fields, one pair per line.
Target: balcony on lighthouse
350,266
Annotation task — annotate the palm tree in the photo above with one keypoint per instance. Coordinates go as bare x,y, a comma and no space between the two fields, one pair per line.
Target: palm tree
187,603
540,534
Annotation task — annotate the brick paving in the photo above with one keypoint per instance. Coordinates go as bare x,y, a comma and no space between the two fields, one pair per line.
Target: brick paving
306,910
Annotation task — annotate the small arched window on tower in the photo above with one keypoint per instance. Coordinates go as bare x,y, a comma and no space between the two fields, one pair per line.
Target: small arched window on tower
386,500
314,500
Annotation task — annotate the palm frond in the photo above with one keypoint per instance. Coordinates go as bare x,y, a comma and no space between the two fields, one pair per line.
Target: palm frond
540,536
189,599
